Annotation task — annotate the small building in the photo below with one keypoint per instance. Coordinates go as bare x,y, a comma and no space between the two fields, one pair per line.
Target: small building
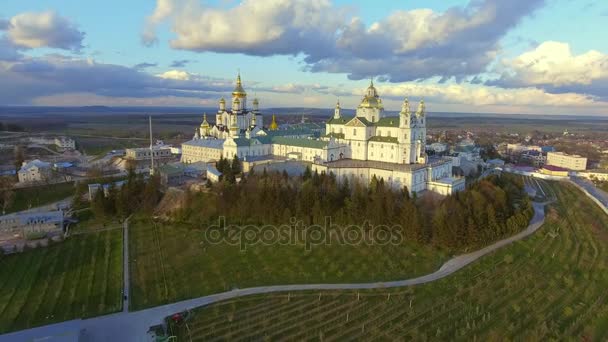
551,170
213,174
171,174
495,162
599,174
65,143
93,188
567,161
145,153
30,225
34,171
195,170
534,157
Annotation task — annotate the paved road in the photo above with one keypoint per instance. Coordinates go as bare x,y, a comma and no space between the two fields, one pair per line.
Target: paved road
132,326
588,185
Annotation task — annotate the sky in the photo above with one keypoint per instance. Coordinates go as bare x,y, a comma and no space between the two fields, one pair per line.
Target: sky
516,56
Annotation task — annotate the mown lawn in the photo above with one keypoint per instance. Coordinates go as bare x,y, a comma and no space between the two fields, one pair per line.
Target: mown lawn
170,263
79,277
550,286
26,198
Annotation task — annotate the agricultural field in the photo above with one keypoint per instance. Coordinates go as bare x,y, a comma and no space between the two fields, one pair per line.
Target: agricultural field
36,196
169,263
550,286
79,277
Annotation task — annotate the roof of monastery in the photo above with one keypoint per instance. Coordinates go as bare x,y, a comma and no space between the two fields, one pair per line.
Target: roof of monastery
372,164
35,163
281,140
209,143
384,139
389,121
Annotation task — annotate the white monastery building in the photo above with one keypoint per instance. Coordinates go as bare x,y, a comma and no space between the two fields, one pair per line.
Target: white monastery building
368,144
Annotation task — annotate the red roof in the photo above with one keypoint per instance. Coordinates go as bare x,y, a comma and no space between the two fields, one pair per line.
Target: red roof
554,168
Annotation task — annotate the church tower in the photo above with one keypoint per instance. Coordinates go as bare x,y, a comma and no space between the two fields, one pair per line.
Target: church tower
273,125
371,107
412,134
239,95
234,127
338,111
420,133
205,126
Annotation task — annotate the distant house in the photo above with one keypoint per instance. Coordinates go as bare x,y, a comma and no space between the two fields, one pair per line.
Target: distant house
495,162
34,171
213,174
30,225
144,153
65,143
601,175
171,174
93,188
554,171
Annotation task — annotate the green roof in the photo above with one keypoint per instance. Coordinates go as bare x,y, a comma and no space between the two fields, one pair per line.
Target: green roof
171,169
251,142
384,139
390,121
300,142
340,121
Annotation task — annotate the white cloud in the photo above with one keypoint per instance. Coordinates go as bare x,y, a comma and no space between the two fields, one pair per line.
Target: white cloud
406,45
175,75
43,29
552,66
552,63
482,95
163,9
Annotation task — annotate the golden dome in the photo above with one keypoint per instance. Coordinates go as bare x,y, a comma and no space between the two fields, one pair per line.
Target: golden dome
205,124
371,98
238,89
273,125
222,100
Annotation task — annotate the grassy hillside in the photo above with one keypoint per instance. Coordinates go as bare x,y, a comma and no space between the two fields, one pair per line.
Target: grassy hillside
551,286
31,197
169,263
80,277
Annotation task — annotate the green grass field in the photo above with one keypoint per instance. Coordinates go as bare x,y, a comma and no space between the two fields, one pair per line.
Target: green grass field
551,286
80,277
40,195
169,263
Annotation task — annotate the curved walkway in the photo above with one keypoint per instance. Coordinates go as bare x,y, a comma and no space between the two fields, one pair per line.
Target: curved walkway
131,326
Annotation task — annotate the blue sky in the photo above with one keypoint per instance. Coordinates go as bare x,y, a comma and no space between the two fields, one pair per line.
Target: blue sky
520,56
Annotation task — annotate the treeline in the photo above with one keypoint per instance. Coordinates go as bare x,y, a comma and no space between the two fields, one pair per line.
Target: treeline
488,210
135,195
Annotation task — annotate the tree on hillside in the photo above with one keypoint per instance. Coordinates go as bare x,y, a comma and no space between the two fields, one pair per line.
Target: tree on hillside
19,157
151,194
236,166
7,194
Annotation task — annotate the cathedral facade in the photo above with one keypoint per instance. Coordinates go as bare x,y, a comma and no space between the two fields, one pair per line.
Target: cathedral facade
367,145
